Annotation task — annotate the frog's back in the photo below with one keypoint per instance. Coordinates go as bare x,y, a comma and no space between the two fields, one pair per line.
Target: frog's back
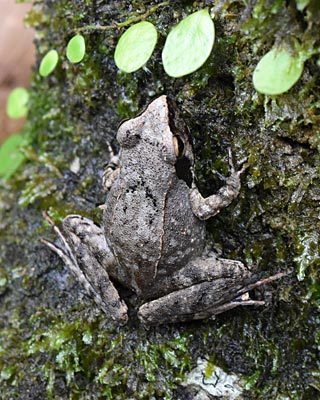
148,220
151,230
184,233
134,220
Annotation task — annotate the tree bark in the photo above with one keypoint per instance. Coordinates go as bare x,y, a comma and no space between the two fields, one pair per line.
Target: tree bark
54,342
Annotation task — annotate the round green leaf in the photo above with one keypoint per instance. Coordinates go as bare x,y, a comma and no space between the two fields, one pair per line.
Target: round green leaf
17,103
302,4
189,44
76,49
277,72
135,46
48,63
10,156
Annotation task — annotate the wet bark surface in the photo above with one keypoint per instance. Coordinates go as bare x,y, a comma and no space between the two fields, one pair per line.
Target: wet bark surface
54,342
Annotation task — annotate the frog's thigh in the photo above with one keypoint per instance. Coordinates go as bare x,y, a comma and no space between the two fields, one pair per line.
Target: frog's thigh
208,268
222,285
82,231
88,256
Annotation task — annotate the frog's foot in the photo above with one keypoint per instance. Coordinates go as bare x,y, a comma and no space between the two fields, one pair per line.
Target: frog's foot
205,208
111,170
223,286
85,252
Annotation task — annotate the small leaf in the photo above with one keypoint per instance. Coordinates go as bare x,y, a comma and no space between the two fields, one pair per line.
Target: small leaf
302,4
76,49
48,63
17,103
277,72
135,46
10,156
189,44
6,373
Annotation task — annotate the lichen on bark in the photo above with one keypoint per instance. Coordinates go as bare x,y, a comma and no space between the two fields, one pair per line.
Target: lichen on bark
54,343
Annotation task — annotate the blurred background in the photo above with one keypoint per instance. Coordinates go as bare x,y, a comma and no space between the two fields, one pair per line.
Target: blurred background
16,58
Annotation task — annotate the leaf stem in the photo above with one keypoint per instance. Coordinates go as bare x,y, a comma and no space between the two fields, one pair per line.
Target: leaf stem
129,21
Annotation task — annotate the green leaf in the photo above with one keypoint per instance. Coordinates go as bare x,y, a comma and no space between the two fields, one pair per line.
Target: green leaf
135,46
76,49
277,72
10,156
48,63
189,44
17,103
6,373
302,4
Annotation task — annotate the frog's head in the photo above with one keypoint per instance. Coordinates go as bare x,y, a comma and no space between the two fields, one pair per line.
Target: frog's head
147,126
160,132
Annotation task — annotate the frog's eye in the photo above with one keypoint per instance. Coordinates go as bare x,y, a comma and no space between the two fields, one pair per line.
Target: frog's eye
179,147
126,136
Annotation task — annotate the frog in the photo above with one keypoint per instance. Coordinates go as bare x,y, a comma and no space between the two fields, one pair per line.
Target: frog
152,239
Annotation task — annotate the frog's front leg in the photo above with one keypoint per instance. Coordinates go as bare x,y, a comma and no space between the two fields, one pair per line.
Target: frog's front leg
85,252
111,170
205,208
205,287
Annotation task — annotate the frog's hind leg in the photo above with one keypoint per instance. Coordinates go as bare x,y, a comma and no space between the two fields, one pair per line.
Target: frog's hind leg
85,252
205,287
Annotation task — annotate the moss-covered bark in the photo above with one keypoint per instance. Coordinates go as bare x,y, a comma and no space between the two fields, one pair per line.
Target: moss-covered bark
54,343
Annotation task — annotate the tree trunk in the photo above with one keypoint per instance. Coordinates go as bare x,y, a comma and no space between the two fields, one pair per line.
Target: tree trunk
54,342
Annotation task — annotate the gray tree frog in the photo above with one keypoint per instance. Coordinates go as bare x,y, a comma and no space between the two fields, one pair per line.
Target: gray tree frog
152,239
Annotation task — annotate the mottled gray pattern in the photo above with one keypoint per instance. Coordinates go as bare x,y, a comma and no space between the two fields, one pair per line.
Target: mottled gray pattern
153,234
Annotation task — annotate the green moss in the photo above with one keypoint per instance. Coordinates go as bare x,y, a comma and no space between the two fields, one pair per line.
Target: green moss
53,342
108,358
